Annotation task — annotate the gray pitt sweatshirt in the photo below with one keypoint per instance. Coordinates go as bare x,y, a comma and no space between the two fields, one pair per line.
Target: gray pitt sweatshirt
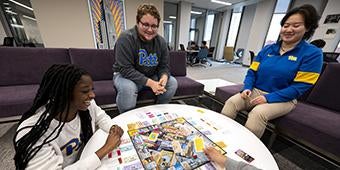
138,60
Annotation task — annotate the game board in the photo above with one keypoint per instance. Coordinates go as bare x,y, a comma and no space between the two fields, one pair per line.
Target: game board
174,144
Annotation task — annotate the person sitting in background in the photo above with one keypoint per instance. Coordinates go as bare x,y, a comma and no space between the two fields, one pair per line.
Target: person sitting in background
280,73
320,43
204,45
62,119
142,61
192,46
224,162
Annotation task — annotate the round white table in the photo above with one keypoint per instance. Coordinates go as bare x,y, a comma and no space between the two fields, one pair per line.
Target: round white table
220,128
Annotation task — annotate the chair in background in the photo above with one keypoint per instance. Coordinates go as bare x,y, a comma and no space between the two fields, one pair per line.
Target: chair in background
181,46
202,58
8,41
330,57
211,52
239,54
228,54
320,43
252,56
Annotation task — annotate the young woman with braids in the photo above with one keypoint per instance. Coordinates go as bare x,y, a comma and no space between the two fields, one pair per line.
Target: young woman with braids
61,121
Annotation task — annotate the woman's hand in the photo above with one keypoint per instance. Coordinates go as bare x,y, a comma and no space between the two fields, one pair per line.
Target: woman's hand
258,100
246,94
215,156
112,141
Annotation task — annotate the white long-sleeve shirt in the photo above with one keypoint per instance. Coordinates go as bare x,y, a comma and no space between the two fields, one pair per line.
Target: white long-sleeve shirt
63,152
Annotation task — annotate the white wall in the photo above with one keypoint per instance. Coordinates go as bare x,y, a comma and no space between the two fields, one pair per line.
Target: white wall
183,27
223,34
31,30
332,7
200,24
131,12
64,23
2,34
216,30
259,28
245,27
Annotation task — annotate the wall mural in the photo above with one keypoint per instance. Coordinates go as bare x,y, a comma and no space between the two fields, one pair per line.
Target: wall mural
108,18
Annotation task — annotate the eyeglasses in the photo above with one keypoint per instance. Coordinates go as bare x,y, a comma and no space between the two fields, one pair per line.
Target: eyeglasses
147,26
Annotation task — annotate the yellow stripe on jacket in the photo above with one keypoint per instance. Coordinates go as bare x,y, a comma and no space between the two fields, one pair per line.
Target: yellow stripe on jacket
254,65
306,77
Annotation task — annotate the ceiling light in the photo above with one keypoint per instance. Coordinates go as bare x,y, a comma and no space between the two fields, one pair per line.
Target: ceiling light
22,5
17,26
11,12
221,2
172,17
5,3
195,12
167,22
25,16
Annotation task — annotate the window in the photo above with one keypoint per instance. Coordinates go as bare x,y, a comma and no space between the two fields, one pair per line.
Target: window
170,23
274,28
209,27
234,26
19,17
192,29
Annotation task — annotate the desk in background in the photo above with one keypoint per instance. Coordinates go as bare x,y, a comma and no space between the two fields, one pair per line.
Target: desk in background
221,128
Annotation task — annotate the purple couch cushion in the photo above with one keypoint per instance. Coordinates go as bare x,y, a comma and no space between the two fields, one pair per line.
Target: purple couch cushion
188,87
312,123
22,66
97,62
326,93
178,63
224,93
15,100
105,92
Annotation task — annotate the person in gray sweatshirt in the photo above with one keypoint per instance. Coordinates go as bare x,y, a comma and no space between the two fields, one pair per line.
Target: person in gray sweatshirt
142,61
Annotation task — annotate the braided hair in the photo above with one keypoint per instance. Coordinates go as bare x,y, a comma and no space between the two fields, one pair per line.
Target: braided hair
55,94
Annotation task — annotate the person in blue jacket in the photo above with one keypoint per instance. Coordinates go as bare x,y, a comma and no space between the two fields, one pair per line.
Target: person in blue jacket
280,73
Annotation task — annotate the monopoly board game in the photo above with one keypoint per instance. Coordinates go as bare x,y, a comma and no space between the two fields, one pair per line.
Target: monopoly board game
174,144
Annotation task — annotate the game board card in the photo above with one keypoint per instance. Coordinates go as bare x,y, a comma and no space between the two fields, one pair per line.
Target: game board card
150,115
221,144
161,118
130,158
207,132
153,136
199,144
165,159
176,146
133,166
141,116
244,155
132,126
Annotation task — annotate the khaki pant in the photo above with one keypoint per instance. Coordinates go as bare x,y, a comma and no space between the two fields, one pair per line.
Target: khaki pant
259,115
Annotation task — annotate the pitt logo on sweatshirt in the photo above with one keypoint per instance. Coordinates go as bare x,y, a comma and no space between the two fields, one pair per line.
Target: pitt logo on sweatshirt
145,59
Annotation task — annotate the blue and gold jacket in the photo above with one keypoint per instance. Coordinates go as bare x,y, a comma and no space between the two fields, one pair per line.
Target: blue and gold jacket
285,77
